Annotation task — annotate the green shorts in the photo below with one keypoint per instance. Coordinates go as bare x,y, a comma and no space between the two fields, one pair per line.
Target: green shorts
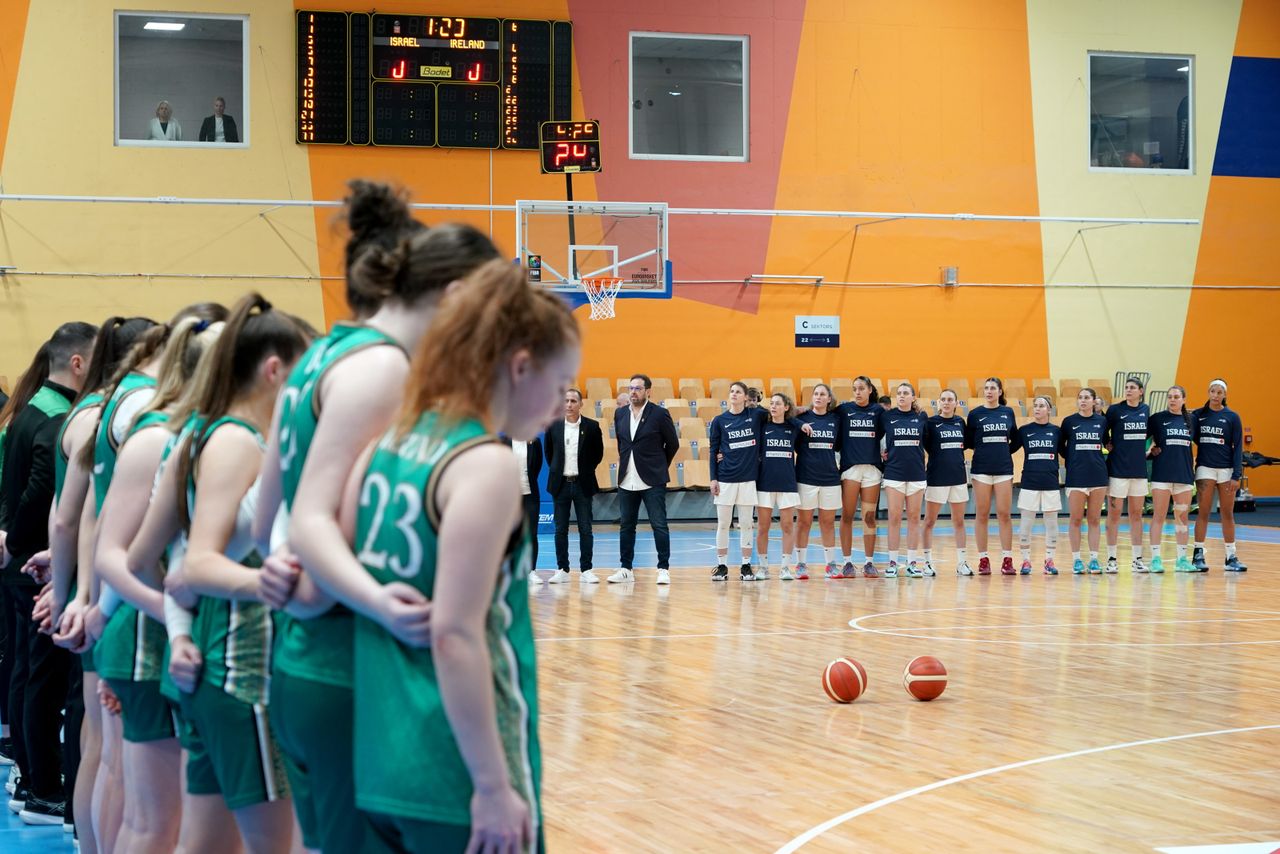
235,739
87,664
414,835
312,723
147,716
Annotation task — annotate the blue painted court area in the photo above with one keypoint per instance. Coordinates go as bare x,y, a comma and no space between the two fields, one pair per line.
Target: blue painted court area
693,544
18,837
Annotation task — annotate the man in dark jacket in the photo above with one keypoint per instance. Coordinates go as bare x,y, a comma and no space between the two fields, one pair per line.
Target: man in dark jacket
574,447
39,682
219,127
647,443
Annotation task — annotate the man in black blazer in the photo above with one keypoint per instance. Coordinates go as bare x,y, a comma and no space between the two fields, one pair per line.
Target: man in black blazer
574,447
211,125
647,443
529,457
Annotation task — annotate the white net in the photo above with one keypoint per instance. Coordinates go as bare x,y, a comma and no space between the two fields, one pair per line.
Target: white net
602,293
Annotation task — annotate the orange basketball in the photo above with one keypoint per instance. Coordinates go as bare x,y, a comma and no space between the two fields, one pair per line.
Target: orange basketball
925,678
844,680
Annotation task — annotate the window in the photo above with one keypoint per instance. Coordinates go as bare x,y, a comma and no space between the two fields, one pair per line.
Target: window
688,97
1140,112
182,80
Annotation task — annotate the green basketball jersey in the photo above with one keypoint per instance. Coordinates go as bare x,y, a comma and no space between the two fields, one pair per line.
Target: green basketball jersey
132,644
319,649
235,638
60,459
407,760
105,446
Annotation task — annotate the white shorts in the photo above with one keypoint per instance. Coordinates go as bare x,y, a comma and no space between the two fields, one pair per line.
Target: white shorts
947,494
1127,487
1085,489
992,479
819,497
863,474
906,487
777,500
740,494
1215,475
1175,488
1040,500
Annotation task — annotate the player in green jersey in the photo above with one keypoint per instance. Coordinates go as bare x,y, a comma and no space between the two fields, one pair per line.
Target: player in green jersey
217,466
131,650
344,392
447,755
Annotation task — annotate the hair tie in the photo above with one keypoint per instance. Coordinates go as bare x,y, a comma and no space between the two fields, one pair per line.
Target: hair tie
201,326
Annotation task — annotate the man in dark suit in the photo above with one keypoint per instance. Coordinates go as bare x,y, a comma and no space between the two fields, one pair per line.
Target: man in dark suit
219,127
529,458
647,443
574,446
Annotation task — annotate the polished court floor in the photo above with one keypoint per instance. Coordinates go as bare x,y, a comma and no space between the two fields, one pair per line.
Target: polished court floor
1102,713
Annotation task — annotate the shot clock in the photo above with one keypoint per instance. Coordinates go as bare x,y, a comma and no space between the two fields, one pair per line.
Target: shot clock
569,147
430,80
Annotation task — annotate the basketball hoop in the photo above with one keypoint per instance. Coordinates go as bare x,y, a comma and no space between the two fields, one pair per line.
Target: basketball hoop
602,292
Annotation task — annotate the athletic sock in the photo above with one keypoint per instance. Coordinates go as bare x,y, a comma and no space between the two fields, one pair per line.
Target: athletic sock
893,555
866,558
786,560
847,556
981,555
1006,553
1075,556
1182,551
928,555
829,555
1111,552
960,555
911,556
1026,552
1200,546
1093,555
1137,551
1231,550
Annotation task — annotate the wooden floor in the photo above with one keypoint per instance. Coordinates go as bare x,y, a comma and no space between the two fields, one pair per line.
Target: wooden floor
1096,713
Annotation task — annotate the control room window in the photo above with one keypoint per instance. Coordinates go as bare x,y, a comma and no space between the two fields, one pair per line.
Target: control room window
1140,113
689,97
182,80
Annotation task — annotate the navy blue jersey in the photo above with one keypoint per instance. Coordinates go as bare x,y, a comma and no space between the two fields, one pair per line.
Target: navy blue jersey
1040,455
859,434
944,439
1172,434
904,441
816,463
737,437
1127,429
992,432
1219,440
778,465
1081,444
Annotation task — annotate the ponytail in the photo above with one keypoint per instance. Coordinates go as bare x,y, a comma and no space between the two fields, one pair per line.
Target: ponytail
143,350
28,384
116,335
478,326
253,332
874,394
187,342
1000,385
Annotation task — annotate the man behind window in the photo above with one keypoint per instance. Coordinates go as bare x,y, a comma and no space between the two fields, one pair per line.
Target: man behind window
219,127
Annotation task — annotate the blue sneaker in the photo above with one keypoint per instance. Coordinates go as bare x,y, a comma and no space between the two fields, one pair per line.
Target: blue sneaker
1095,568
849,570
869,570
1077,568
1025,569
1157,565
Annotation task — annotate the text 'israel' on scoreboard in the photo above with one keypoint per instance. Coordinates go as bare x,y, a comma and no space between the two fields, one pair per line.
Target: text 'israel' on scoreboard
569,147
430,80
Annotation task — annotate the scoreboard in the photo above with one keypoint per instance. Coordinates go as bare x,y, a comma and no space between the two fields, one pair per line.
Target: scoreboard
430,80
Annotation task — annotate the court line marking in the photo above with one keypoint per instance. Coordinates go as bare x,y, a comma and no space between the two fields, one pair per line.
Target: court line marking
1097,624
814,832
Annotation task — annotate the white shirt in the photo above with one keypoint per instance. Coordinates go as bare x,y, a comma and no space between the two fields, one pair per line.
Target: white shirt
571,431
632,482
520,449
218,133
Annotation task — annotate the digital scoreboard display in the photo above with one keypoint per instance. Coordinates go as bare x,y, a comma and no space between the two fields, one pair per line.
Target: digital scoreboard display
430,80
569,147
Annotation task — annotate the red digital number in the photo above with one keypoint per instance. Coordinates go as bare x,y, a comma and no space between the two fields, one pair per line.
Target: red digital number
473,74
398,71
580,151
562,153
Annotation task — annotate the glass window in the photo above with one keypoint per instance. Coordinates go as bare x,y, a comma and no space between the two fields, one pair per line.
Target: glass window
182,80
1140,112
688,97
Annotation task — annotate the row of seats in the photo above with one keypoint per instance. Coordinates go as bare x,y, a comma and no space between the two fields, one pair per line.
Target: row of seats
694,389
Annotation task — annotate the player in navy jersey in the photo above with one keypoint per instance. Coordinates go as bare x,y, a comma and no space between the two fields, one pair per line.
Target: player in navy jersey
1172,476
734,440
776,486
1083,436
947,478
992,431
1219,452
1127,470
818,479
905,479
1039,490
860,474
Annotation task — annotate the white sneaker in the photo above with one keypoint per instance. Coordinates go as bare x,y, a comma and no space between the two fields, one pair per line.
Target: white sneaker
664,576
534,578
964,569
929,571
787,574
560,576
1138,565
762,574
589,577
621,576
